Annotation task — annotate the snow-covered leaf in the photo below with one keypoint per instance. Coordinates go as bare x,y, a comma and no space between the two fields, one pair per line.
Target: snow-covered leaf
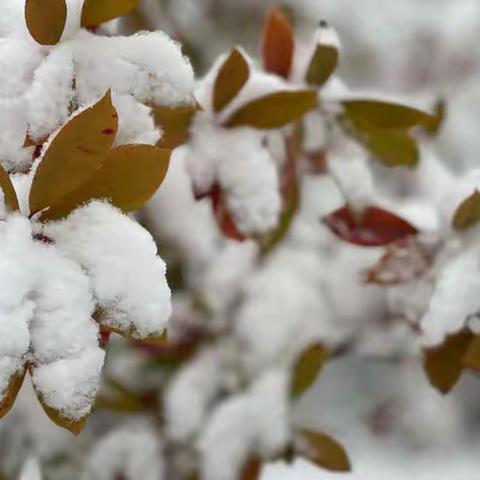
9,195
468,212
96,12
174,122
46,20
10,394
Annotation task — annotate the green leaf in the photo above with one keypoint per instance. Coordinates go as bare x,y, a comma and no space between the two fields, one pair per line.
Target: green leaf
230,80
128,177
275,110
75,153
175,123
324,62
9,195
468,212
46,20
322,450
308,368
95,12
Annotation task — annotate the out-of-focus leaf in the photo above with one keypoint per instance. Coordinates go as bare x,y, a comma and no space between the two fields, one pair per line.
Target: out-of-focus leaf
45,20
13,387
127,178
443,364
468,212
231,78
95,12
175,123
324,62
440,111
278,44
307,369
322,450
375,227
471,359
382,114
252,470
75,153
275,110
9,195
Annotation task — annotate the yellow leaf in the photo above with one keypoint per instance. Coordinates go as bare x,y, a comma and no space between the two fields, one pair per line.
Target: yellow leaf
11,392
307,368
275,110
175,123
96,12
77,151
45,20
230,80
127,178
322,450
468,212
9,195
324,62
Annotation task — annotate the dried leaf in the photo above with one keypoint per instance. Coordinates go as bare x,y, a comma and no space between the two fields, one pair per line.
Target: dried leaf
75,153
322,450
278,44
128,177
13,387
468,212
175,123
95,12
9,195
275,110
374,228
230,80
307,368
324,62
46,20
443,364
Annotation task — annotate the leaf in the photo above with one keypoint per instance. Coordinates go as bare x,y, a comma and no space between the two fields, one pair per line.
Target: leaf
324,62
46,20
77,151
278,44
275,110
252,470
443,364
374,228
95,12
9,195
382,114
307,368
230,80
322,450
471,359
440,112
175,123
128,178
468,212
11,392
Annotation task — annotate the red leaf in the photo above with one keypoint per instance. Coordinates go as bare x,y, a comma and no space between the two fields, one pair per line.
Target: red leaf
374,228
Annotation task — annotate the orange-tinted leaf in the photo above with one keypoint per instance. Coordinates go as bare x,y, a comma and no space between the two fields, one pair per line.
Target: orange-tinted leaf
175,123
278,44
128,177
95,12
76,152
374,228
324,62
13,387
230,80
443,364
46,20
307,368
9,195
275,110
468,212
322,450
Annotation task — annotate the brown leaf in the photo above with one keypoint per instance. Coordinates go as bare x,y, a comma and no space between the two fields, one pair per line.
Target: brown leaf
307,369
324,62
175,123
278,44
45,20
127,178
468,212
75,153
374,228
95,12
322,450
252,470
275,110
11,392
438,118
443,364
230,80
9,195
471,359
